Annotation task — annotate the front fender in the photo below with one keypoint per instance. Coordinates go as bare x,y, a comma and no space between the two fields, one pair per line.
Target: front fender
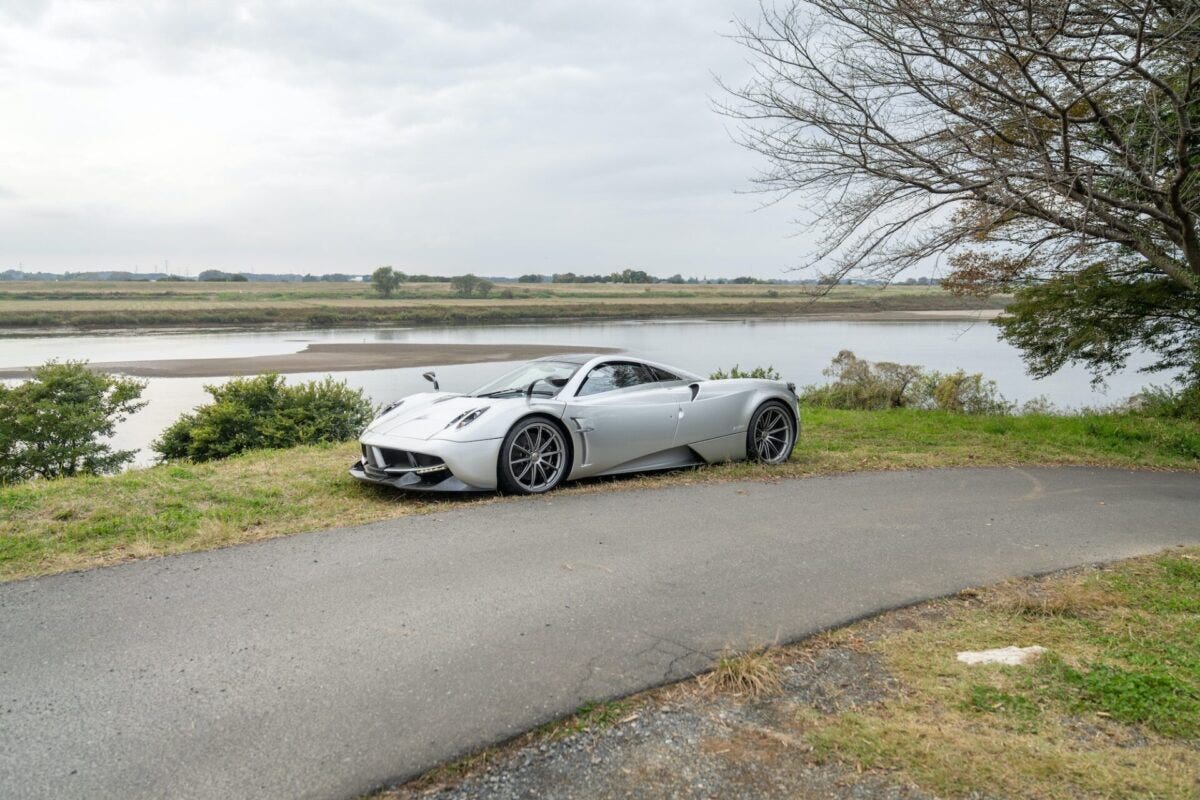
497,421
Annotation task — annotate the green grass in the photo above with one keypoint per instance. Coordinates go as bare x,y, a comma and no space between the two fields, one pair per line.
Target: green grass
1113,710
52,526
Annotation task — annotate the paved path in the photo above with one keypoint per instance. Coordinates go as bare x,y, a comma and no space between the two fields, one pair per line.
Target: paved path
324,664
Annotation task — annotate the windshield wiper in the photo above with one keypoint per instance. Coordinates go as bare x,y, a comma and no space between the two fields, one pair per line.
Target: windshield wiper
519,390
499,392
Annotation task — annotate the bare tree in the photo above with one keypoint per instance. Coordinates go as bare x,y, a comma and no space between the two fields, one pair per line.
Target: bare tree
1030,140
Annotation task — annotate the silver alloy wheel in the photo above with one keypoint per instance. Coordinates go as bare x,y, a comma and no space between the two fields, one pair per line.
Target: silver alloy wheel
537,457
772,435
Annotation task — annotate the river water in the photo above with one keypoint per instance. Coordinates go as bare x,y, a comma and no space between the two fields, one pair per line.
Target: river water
798,348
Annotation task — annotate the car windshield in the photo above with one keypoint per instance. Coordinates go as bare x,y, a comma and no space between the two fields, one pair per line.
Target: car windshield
519,379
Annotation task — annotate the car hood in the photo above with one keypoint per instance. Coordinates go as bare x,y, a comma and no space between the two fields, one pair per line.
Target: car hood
423,416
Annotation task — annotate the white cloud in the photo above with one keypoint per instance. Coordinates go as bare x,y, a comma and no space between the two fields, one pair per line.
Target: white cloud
438,136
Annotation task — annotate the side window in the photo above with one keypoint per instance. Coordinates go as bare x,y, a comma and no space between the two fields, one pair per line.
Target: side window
663,376
615,375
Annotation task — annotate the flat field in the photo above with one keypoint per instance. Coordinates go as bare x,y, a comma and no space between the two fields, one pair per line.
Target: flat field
86,304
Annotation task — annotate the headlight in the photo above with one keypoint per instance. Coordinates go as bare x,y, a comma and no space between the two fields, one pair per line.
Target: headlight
467,417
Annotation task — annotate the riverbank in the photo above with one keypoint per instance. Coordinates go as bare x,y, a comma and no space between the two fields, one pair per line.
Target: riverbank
884,709
70,306
78,523
340,357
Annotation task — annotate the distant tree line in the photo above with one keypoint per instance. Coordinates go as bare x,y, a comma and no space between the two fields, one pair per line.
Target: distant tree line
631,276
386,281
640,276
217,276
333,277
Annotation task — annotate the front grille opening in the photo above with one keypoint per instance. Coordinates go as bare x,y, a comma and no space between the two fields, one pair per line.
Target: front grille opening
393,461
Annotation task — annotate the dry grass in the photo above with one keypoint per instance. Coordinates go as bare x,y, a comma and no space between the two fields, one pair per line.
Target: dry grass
1073,599
1110,712
752,674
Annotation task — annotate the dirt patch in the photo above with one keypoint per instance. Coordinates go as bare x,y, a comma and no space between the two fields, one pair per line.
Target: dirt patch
719,750
839,679
681,742
346,357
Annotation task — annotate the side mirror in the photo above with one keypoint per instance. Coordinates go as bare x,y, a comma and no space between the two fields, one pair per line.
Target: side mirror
432,378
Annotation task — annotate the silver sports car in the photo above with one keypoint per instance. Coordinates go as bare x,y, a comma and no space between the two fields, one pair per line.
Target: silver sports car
575,416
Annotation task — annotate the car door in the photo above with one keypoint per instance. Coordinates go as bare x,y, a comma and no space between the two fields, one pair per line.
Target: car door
710,410
622,412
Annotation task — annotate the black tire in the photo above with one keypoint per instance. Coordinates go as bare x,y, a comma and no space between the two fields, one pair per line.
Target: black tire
534,457
771,434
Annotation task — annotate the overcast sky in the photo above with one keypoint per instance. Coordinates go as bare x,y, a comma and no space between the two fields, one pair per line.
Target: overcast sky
443,136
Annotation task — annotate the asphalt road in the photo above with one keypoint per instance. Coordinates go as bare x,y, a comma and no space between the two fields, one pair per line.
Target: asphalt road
325,664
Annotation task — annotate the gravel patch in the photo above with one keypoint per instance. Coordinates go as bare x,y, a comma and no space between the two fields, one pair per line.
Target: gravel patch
686,744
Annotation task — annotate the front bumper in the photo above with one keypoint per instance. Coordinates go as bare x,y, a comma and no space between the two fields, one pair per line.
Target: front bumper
428,465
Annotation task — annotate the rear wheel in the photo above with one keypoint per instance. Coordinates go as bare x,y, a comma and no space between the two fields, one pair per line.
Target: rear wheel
533,457
771,434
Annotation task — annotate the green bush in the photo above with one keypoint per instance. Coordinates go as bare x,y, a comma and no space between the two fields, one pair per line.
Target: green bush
967,394
265,412
767,373
53,424
1169,402
861,385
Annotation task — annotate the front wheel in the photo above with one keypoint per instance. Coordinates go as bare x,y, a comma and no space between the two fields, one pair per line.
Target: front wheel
771,434
533,457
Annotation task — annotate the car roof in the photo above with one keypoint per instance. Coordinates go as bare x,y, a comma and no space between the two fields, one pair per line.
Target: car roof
571,358
584,359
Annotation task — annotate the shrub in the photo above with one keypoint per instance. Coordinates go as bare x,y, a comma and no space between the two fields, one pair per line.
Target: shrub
1167,401
53,425
767,373
967,394
1039,405
859,384
865,385
265,412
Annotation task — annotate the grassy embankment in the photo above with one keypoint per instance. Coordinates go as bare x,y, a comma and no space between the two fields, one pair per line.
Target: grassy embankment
1111,710
35,305
52,526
